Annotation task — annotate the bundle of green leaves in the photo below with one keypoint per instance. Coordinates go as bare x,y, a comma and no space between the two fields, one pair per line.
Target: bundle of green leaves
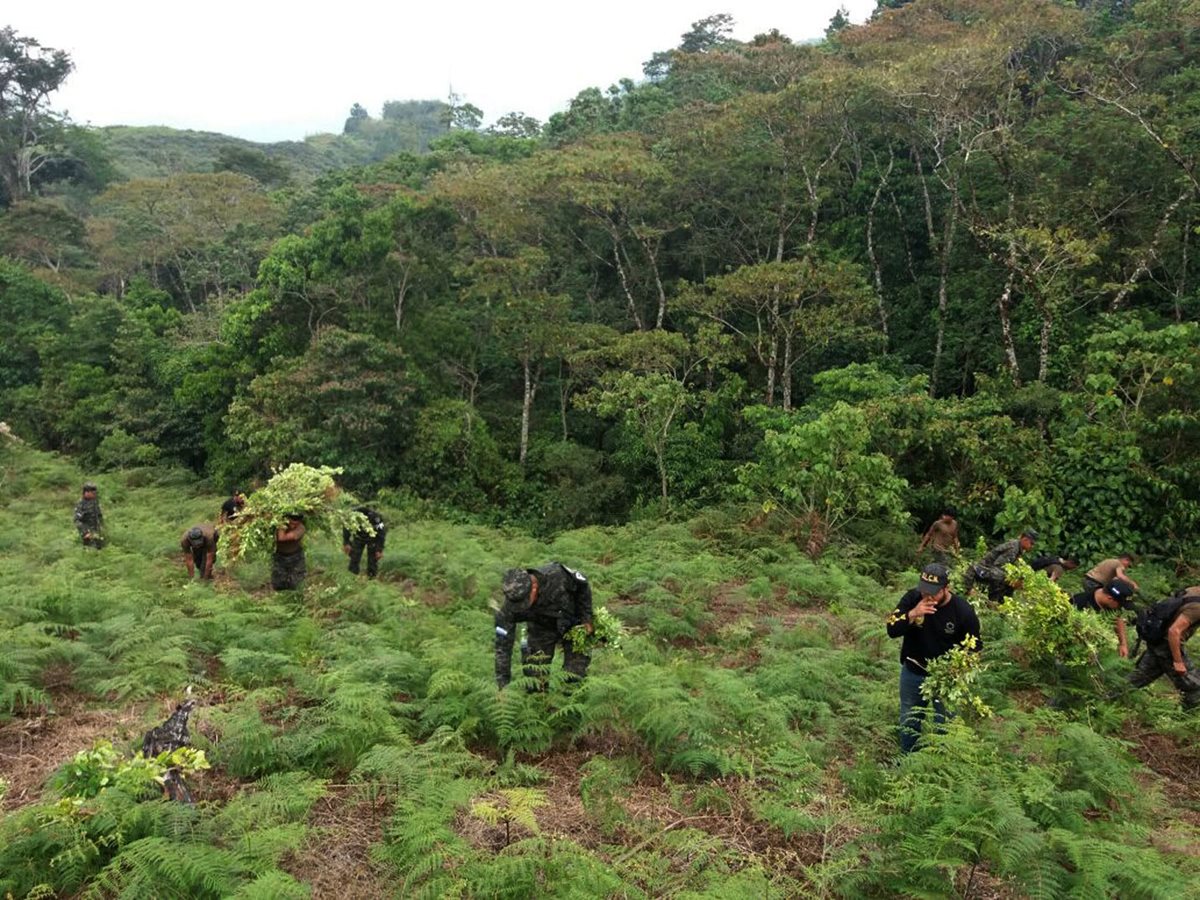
1053,632
952,678
607,631
298,490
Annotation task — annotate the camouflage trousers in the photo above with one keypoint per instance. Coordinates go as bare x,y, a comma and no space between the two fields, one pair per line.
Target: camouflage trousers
536,653
996,580
1157,661
287,571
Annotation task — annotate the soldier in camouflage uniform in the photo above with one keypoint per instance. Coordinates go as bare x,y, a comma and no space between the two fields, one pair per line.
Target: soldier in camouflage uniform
287,565
552,600
89,519
990,569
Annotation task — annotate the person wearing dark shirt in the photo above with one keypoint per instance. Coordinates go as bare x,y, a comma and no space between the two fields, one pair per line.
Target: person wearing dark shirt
199,546
355,542
931,620
288,564
1054,566
1117,594
231,507
1166,655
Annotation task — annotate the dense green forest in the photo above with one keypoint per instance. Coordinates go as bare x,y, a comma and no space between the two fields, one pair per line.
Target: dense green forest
727,338
966,225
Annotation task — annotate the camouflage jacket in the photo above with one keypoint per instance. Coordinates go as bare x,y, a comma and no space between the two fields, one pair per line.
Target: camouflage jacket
88,516
1000,556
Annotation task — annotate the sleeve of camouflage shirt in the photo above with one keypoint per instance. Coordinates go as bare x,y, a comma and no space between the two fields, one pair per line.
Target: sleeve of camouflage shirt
1002,555
506,635
583,600
79,526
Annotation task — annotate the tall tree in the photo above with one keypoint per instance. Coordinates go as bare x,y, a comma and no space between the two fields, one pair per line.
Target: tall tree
29,74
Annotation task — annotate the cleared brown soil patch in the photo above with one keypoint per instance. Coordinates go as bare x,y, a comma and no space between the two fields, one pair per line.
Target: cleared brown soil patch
32,748
1178,763
336,857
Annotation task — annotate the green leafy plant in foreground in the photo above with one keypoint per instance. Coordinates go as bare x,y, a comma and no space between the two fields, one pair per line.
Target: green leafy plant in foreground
296,490
509,807
103,766
952,680
607,631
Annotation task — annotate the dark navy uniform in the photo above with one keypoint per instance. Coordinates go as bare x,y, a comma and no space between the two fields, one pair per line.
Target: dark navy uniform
358,541
552,600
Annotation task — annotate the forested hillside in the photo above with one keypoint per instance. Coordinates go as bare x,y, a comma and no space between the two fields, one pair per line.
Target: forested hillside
727,338
967,224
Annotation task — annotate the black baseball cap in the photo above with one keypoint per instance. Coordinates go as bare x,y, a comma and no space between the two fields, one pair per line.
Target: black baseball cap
195,536
934,577
1121,591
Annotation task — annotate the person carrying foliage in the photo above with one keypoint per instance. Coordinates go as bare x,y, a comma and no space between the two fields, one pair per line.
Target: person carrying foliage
1106,570
1054,566
990,569
354,542
288,565
1116,595
552,600
942,537
1166,627
89,518
199,546
931,620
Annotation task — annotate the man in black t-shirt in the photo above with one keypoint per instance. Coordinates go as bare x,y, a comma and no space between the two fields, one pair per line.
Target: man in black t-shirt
931,620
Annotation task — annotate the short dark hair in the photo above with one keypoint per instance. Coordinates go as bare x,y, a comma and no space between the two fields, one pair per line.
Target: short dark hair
951,512
1129,556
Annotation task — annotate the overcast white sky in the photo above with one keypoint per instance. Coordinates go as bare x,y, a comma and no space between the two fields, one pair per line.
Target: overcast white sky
271,70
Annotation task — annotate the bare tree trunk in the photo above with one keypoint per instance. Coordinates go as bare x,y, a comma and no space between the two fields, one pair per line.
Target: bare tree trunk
876,267
1044,345
637,319
564,396
1150,253
773,353
944,250
401,294
1181,282
1010,350
526,407
786,374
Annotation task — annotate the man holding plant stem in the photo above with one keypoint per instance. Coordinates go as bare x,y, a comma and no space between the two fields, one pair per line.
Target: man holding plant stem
932,620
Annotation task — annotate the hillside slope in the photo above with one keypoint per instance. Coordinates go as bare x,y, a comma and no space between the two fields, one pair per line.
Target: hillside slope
740,745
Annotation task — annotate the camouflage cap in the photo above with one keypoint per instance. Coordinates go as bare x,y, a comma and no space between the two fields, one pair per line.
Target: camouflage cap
89,486
516,585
